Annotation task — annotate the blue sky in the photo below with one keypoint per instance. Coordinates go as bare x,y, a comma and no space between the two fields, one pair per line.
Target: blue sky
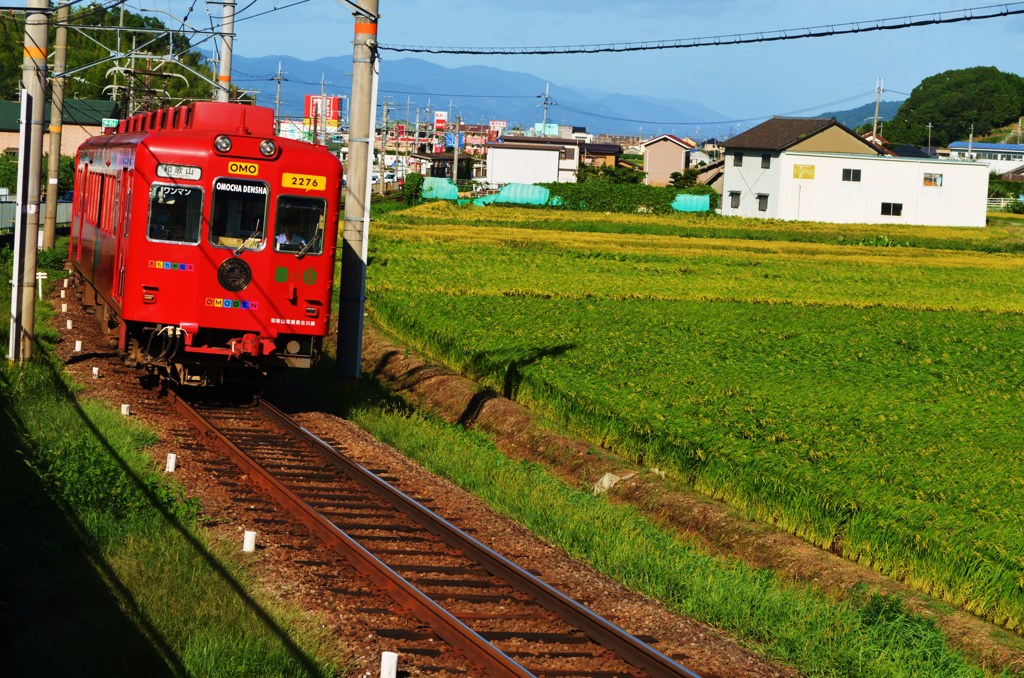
799,77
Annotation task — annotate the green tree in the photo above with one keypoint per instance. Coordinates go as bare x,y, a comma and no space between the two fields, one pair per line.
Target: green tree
65,173
684,179
953,101
154,81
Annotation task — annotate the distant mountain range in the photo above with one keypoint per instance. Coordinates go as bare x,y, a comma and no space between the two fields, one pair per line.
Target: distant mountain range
480,94
855,117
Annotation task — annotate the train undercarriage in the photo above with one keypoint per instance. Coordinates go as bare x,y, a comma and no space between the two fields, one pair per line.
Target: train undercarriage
189,355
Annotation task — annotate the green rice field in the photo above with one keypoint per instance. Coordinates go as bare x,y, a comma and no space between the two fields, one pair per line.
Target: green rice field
857,386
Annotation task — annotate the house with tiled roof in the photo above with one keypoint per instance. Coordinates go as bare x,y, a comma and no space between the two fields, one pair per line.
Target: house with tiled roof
664,155
82,118
816,169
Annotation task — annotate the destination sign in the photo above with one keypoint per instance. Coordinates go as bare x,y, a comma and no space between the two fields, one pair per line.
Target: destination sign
165,171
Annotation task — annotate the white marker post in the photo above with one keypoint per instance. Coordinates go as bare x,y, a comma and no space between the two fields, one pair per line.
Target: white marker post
249,542
388,664
172,462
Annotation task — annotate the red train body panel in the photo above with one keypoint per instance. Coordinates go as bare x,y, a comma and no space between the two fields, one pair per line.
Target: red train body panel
207,242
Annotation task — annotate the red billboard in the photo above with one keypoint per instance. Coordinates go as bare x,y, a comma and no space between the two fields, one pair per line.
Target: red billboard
332,107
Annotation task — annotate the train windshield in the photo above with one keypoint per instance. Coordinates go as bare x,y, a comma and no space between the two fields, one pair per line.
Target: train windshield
239,214
175,213
300,224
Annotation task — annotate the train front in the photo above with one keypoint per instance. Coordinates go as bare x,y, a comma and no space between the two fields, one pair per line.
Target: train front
234,277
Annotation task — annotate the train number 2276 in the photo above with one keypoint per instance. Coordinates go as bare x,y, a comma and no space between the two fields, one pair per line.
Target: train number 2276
308,182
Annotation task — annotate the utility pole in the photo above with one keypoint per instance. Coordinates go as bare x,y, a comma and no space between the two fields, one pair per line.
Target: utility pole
970,144
352,298
878,99
416,135
455,156
545,100
381,164
26,234
277,101
929,140
56,122
323,109
226,40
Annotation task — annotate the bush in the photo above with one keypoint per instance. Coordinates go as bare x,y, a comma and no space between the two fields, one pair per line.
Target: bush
605,196
412,189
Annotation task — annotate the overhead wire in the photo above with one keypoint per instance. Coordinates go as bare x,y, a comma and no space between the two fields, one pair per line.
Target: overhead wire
827,30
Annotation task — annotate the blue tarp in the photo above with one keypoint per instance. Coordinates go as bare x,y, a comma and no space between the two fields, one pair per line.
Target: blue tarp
520,194
435,188
685,202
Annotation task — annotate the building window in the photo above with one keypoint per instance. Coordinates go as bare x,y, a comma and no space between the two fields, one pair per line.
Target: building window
892,209
851,175
933,180
762,202
766,160
737,160
734,199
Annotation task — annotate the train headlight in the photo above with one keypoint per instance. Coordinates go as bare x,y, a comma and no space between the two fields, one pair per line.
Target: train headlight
268,148
222,143
293,347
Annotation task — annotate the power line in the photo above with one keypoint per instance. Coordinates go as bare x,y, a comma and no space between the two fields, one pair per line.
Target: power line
717,122
828,30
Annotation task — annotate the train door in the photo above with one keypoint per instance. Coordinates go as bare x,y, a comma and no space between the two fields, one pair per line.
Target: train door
124,220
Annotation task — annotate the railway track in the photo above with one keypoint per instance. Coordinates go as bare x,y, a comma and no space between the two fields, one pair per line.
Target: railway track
502,618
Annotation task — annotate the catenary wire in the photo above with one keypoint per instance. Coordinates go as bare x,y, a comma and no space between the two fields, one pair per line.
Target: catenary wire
827,30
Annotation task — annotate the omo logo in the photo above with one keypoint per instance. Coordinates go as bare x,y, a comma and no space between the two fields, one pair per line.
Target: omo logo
248,169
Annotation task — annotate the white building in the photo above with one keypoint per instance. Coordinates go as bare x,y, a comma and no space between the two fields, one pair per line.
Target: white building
538,160
1000,158
527,164
815,169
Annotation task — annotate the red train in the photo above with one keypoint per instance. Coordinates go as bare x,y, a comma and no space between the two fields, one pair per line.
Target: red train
206,243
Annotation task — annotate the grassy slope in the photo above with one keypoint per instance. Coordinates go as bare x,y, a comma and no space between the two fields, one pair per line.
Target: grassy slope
107,573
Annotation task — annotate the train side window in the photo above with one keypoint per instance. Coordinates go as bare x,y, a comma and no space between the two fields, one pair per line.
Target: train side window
239,217
299,224
175,213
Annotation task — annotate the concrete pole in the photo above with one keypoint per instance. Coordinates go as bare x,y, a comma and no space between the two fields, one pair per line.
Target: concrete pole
26,235
381,163
60,51
226,43
277,101
355,235
455,153
878,99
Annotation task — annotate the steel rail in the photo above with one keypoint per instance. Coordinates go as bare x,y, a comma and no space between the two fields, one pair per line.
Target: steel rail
600,630
442,622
